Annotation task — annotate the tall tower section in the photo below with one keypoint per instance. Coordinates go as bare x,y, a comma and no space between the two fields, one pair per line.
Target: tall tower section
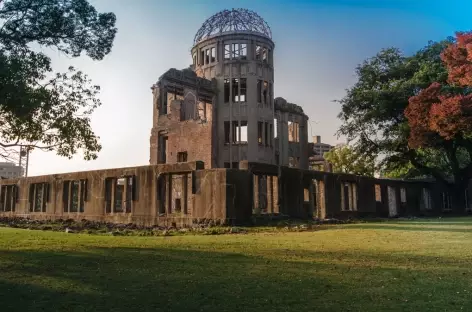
234,48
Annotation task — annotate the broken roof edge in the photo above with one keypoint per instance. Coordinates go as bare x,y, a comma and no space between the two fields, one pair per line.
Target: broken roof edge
186,75
282,105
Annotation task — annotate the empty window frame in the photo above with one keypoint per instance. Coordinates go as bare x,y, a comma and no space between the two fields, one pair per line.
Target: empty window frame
270,135
74,194
243,51
259,91
265,92
194,57
202,57
260,126
8,197
378,193
234,50
239,135
258,53
234,89
242,89
239,90
38,197
227,52
207,56
213,55
226,90
182,157
447,202
402,195
163,103
427,199
120,193
293,132
265,57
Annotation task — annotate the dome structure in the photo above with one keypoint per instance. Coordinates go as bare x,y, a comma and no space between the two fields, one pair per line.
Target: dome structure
235,20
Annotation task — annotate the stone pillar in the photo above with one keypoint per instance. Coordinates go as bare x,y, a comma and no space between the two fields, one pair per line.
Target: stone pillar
321,204
275,194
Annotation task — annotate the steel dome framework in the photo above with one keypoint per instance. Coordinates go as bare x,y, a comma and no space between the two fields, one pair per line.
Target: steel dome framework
233,21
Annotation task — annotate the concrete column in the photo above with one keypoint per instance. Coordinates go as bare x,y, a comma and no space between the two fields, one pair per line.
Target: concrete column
321,204
275,194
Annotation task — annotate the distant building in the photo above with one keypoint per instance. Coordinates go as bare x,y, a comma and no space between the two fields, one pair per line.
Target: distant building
10,170
317,150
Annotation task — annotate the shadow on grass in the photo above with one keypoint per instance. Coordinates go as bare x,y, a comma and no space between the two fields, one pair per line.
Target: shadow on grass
398,226
160,279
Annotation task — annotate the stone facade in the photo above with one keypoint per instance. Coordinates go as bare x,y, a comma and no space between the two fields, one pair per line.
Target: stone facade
185,194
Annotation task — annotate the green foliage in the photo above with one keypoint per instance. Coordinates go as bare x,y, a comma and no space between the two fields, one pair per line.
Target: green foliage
38,108
345,159
373,113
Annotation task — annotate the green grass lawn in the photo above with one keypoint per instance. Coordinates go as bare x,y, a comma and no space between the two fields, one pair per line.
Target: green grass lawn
390,266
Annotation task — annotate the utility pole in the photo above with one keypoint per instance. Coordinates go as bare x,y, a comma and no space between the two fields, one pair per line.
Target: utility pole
27,161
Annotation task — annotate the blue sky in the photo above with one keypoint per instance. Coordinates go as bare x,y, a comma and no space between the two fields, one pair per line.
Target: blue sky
318,45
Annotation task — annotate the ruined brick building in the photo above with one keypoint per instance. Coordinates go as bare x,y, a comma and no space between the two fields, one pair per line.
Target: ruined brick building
222,149
222,110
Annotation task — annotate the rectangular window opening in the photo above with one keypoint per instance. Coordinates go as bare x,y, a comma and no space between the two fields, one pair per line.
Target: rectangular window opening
234,50
239,132
258,52
213,55
9,197
226,91
182,157
270,135
207,58
243,51
264,55
293,132
243,90
202,57
234,90
227,52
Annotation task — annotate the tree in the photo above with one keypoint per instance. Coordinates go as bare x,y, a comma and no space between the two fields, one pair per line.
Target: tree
344,159
40,109
405,109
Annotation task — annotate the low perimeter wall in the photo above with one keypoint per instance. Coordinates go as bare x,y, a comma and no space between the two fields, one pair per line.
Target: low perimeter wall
186,193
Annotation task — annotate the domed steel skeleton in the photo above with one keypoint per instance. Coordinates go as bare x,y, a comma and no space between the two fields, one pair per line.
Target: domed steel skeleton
238,20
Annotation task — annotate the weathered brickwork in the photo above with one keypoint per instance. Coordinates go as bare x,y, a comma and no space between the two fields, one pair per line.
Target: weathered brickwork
185,194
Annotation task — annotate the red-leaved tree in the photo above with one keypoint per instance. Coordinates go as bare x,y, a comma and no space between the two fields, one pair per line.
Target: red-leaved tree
458,59
440,116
